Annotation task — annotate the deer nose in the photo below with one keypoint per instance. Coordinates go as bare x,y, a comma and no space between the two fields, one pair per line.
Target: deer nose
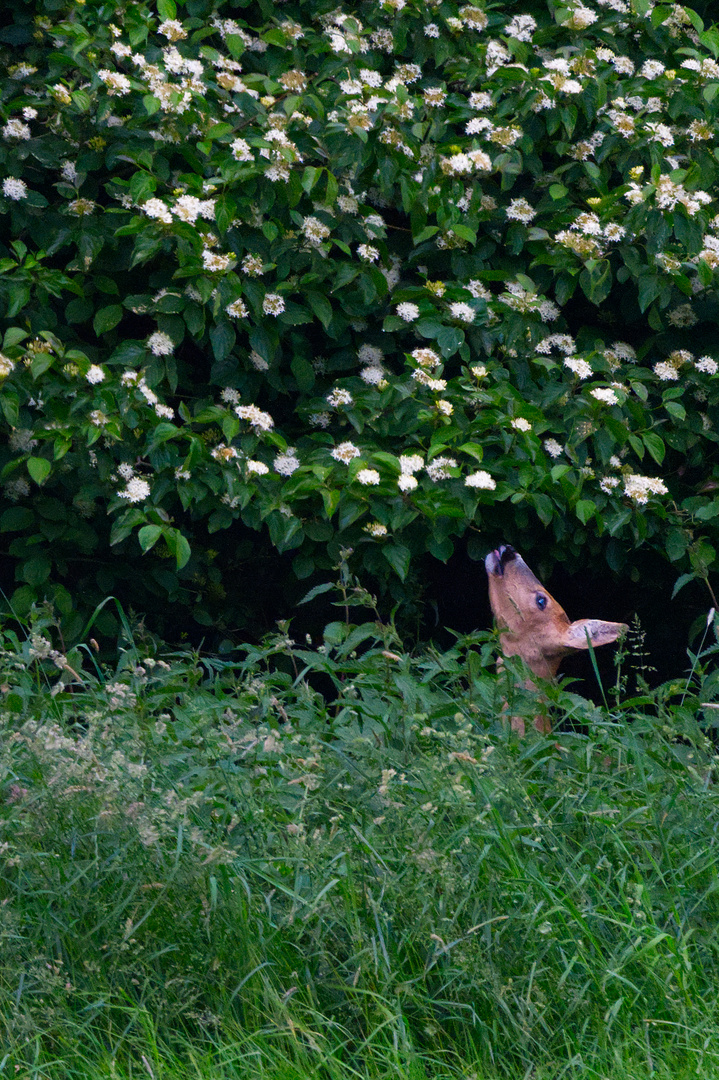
497,559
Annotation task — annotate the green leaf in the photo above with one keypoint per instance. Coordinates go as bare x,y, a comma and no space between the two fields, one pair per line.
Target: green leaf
179,546
107,319
39,469
35,571
399,557
17,518
585,509
465,233
10,405
149,535
425,234
681,582
655,446
317,591
596,282
649,288
222,337
40,363
13,336
321,307
675,410
303,373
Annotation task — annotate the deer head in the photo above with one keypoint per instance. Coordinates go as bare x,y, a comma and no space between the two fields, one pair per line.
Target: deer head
531,622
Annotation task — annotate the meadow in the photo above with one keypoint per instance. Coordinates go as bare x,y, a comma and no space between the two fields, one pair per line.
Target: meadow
333,859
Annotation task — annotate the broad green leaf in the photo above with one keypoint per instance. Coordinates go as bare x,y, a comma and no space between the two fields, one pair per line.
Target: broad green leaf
149,535
107,319
39,469
655,446
585,510
399,557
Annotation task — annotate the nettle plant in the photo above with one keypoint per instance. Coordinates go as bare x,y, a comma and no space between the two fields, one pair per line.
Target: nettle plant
373,277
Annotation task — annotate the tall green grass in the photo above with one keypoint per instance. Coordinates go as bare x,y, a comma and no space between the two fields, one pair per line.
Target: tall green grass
337,860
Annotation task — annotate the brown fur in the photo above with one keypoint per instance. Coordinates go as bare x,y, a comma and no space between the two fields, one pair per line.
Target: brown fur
533,625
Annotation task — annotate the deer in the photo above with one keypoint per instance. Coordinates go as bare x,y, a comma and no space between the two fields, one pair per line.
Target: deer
533,626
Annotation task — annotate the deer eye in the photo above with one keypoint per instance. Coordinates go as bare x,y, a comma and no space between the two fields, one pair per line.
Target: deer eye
541,602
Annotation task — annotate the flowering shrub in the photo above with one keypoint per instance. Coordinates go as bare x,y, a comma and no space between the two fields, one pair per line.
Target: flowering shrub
372,276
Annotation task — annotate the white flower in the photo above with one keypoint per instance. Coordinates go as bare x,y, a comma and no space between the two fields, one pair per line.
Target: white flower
374,528
431,30
241,150
373,376
160,344
237,309
410,463
520,424
473,17
367,252
368,477
521,27
435,96
345,452
579,367
212,260
95,374
463,312
608,483
520,210
273,304
407,483
224,453
338,397
581,17
370,354
707,365
438,468
639,488
370,77
481,479
665,371
258,419
605,395
14,189
652,69
253,265
408,312
172,29
552,447
164,412
155,208
285,464
81,207
15,129
137,490
612,231
315,230
188,208
256,468
115,82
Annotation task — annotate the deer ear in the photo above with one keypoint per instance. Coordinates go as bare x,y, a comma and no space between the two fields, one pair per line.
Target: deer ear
597,631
